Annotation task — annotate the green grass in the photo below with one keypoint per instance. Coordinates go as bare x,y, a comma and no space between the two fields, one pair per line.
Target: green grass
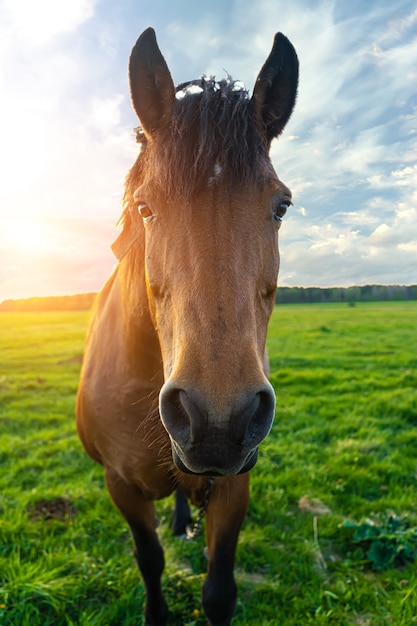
343,447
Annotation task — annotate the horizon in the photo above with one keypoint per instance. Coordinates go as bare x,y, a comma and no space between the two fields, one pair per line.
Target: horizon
295,287
348,153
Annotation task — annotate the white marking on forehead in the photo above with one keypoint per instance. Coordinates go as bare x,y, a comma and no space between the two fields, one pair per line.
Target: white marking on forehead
217,170
239,86
188,91
192,89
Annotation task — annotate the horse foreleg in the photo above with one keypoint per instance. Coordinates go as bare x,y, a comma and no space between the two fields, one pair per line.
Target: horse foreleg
140,515
225,514
182,515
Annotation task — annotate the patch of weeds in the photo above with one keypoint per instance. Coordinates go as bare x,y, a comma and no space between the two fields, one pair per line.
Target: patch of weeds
183,597
385,542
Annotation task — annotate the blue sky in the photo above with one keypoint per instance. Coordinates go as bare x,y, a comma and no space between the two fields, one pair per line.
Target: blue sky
349,152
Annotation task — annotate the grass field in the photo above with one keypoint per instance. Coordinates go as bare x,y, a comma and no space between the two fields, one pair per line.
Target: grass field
331,533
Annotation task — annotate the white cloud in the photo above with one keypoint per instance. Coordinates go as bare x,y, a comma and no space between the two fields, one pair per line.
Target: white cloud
406,175
105,113
357,218
382,235
37,23
329,254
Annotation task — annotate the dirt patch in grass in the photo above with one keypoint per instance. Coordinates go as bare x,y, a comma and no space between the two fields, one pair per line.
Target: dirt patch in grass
56,509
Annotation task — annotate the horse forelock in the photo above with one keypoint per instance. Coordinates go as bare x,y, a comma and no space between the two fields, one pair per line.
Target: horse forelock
212,129
212,139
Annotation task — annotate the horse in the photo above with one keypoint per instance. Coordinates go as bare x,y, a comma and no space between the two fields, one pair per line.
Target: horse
174,393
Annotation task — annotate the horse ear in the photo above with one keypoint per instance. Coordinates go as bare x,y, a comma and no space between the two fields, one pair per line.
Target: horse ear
275,89
151,87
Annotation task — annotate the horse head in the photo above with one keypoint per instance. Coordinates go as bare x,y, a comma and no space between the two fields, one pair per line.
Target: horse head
211,205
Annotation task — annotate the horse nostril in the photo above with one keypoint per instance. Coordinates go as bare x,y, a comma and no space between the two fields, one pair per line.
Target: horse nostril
182,415
260,421
173,417
196,414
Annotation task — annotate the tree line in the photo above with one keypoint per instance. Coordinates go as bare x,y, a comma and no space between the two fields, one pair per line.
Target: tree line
285,295
362,293
79,302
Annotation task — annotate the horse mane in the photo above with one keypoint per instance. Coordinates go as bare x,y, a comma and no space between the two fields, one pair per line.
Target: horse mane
212,136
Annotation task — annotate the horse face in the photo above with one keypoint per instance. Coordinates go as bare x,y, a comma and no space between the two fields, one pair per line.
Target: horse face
211,266
211,274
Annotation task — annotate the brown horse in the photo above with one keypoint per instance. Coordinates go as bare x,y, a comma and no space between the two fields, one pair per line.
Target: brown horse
174,392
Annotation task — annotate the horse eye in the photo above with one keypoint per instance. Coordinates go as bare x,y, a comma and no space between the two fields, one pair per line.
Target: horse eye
145,211
280,207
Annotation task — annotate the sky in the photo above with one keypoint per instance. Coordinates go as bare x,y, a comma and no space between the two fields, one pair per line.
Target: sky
348,153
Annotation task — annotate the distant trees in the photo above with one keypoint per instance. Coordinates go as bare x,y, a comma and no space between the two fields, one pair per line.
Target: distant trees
80,302
285,295
363,293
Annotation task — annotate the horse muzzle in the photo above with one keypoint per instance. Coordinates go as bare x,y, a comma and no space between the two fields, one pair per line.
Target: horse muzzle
214,471
209,439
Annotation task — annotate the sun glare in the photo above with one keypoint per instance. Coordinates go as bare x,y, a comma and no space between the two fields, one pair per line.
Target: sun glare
30,237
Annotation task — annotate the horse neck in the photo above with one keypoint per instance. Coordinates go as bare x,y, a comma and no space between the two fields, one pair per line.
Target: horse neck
138,332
